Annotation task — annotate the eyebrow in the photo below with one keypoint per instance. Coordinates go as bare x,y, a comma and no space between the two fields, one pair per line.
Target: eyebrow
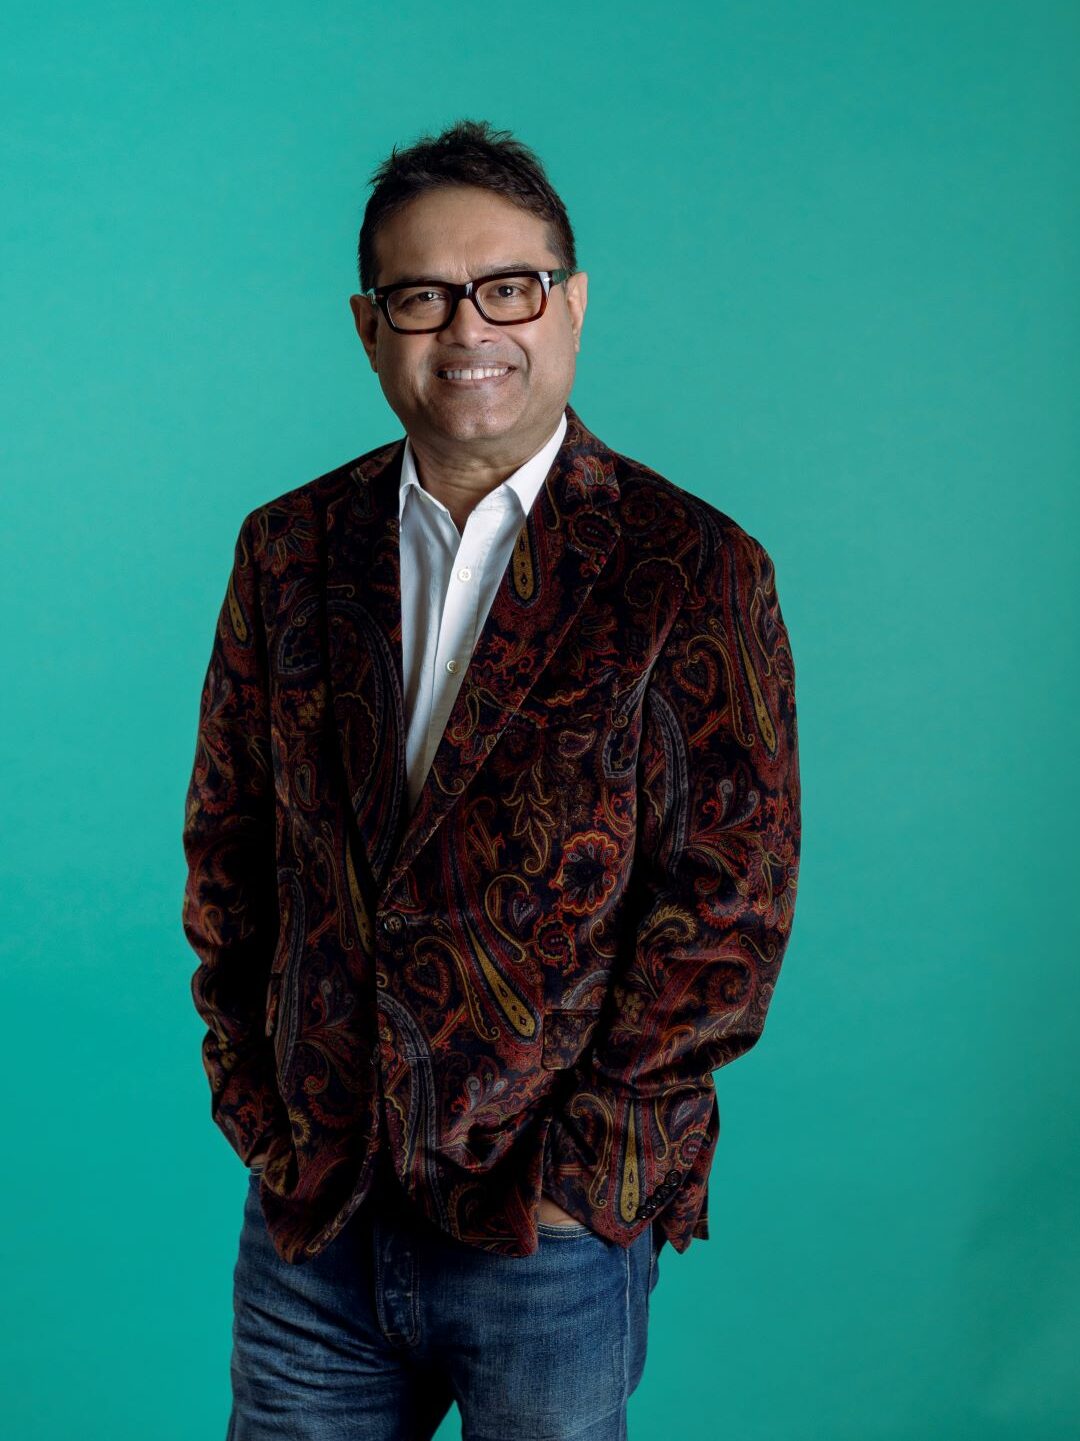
510,267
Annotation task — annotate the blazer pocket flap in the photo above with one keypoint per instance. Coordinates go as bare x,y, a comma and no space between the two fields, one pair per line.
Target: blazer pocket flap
568,700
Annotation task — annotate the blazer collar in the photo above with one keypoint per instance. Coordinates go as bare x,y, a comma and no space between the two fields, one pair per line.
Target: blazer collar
563,543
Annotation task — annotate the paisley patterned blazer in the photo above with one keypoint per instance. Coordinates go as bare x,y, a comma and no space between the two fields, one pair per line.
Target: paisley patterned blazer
526,985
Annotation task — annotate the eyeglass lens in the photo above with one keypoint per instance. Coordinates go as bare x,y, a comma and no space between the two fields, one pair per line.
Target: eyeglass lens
506,298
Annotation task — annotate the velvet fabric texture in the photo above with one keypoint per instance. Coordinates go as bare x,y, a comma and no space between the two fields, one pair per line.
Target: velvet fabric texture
526,985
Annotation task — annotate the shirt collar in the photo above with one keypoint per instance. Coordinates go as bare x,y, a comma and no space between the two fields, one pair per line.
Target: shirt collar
524,483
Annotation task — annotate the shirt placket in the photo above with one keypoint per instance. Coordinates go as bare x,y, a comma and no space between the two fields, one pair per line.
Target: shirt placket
460,620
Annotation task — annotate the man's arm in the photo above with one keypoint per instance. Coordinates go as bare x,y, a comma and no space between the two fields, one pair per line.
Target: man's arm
230,913
715,876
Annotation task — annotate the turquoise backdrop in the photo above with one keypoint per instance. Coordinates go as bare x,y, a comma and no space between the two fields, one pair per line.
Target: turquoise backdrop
873,211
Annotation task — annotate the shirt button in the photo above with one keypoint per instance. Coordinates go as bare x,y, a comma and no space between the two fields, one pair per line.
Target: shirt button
464,573
451,666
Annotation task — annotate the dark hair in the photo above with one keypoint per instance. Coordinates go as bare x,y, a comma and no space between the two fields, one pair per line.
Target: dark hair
469,152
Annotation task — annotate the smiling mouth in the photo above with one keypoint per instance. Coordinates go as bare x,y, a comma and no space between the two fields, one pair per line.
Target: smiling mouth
473,374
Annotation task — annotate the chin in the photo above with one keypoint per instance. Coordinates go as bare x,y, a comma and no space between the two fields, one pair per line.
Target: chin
471,425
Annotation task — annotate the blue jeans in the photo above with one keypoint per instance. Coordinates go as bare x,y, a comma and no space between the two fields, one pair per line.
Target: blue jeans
376,1337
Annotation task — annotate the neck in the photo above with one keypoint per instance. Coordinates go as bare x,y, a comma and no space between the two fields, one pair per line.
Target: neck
461,475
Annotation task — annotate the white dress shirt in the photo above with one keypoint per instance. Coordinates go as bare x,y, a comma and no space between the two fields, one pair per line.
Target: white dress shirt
448,582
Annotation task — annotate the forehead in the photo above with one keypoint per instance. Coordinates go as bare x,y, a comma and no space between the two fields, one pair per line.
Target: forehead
458,231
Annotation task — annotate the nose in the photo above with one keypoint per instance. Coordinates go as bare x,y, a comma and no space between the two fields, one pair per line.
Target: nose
468,326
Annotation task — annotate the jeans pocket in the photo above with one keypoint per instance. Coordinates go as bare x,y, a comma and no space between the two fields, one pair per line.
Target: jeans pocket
563,1228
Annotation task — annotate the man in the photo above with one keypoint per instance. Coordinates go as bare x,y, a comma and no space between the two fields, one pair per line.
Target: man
493,841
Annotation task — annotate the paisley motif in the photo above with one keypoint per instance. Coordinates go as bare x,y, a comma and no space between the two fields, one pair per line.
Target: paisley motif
526,983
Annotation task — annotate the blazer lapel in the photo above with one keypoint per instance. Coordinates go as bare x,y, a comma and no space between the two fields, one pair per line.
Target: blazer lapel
567,536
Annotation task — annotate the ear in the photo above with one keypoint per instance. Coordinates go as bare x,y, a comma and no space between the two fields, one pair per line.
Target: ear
577,298
366,320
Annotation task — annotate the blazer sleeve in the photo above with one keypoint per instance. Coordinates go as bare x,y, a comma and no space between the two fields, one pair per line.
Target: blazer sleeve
229,913
713,889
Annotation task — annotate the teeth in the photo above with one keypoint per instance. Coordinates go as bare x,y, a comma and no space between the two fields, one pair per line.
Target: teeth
480,374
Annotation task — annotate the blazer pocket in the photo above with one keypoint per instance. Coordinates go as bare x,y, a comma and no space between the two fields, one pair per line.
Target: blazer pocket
566,1034
555,701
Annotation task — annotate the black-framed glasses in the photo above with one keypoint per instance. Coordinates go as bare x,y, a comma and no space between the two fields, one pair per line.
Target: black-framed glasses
509,298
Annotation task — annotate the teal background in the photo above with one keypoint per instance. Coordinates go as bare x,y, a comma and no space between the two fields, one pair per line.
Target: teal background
872,212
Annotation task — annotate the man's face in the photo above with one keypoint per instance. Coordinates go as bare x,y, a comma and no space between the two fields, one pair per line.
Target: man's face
459,233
